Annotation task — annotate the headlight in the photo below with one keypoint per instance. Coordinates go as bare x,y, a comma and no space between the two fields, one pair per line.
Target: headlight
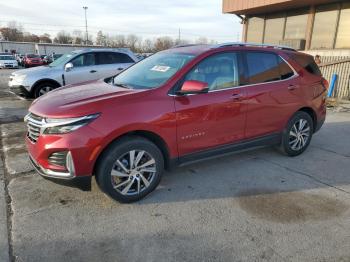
19,77
66,125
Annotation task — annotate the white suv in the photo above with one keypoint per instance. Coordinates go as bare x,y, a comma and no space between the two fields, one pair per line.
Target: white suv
72,68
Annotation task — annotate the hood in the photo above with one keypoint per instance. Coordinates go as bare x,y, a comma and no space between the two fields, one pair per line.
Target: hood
35,70
79,100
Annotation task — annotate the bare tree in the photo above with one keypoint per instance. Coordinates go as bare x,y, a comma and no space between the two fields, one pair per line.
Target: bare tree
28,37
100,38
78,37
163,43
131,41
119,41
202,40
147,46
45,38
63,38
13,32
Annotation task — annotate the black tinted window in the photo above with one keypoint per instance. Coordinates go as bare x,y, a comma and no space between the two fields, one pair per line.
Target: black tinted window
84,60
104,58
285,70
308,63
262,67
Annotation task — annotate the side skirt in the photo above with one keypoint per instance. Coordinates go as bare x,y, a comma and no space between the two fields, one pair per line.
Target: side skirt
268,140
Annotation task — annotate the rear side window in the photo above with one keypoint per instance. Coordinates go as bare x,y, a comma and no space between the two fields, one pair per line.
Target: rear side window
308,63
285,70
105,58
262,67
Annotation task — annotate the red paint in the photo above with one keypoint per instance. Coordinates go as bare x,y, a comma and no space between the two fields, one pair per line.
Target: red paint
186,124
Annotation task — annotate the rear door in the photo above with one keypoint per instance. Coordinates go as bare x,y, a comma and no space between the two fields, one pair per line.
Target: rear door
110,63
215,118
84,69
273,93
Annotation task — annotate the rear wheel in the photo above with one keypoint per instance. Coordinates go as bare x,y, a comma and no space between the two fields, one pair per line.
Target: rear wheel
130,169
297,134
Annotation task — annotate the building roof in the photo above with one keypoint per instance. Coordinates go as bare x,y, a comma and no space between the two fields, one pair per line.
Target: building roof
253,7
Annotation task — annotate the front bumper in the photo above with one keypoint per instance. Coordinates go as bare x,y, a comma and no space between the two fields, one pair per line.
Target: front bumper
83,182
49,172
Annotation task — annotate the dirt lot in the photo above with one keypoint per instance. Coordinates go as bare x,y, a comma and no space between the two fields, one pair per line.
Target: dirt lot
251,206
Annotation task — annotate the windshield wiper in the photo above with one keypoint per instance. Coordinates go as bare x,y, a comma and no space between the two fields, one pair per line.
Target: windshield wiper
123,85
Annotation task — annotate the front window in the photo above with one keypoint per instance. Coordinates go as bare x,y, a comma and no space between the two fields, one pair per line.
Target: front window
218,71
84,60
153,71
62,60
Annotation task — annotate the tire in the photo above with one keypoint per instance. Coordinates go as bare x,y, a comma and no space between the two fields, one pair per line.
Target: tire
43,88
116,159
297,135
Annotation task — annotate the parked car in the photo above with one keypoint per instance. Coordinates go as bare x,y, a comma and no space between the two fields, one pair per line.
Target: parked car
31,60
172,108
71,68
8,61
50,58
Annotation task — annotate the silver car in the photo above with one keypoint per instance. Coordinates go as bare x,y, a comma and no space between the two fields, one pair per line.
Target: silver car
75,67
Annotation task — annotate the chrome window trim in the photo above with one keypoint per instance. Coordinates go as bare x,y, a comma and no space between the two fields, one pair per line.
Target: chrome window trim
295,74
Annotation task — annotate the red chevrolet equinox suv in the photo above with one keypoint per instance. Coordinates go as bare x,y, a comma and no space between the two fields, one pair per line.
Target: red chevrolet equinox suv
175,107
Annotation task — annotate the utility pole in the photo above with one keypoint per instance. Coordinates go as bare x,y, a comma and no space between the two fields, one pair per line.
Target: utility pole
179,39
86,29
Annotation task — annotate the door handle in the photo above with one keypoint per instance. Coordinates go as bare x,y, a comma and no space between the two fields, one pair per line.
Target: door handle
93,71
236,97
293,87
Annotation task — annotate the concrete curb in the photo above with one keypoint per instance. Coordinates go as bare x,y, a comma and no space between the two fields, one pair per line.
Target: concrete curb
4,245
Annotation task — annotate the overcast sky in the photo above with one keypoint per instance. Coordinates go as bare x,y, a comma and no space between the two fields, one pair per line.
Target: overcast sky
148,19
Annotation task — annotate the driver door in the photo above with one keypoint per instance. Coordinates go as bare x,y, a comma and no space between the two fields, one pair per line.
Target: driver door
216,118
84,69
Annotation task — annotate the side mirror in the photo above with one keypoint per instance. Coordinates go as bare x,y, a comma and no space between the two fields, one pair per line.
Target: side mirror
68,67
193,87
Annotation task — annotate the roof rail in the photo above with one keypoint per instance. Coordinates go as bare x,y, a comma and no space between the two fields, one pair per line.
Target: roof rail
255,45
186,45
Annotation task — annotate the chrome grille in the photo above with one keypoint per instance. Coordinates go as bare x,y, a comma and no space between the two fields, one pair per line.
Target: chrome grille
34,124
58,158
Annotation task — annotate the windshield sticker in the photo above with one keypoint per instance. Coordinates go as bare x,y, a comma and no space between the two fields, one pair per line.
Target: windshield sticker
159,68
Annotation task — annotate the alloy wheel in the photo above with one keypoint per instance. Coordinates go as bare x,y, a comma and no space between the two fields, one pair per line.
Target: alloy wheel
299,134
44,90
133,172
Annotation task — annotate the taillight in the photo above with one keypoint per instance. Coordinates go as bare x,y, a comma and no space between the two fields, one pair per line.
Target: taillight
325,83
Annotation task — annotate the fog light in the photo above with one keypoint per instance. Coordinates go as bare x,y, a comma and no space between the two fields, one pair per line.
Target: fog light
70,163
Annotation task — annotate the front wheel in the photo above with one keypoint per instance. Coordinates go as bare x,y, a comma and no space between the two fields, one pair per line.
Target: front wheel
44,88
130,169
297,134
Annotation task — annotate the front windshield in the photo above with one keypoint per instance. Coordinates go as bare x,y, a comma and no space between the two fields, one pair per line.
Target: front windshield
7,57
153,71
62,60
